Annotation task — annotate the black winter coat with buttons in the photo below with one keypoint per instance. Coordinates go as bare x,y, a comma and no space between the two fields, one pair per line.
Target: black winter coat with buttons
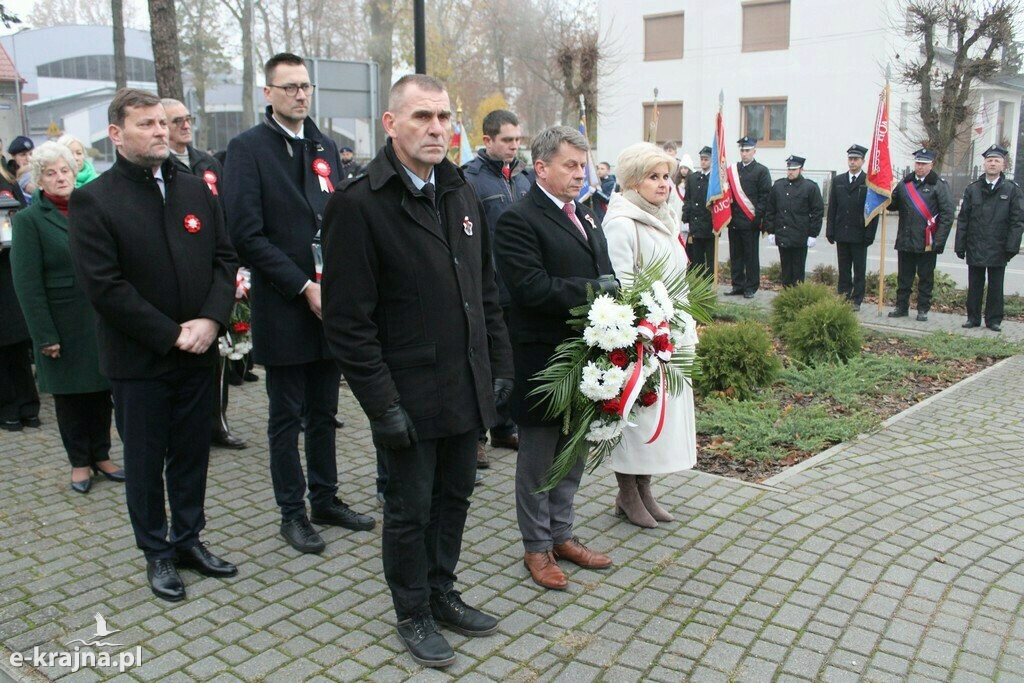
695,210
910,235
794,212
845,218
990,223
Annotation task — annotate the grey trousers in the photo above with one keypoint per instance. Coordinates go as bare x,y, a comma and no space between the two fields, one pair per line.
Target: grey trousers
545,519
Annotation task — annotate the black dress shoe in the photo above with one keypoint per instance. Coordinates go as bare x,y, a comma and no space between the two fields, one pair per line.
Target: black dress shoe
449,610
33,422
164,580
969,324
898,313
922,317
337,513
424,642
228,441
339,424
251,377
81,486
203,561
12,426
994,327
510,441
302,536
855,307
748,295
734,292
116,475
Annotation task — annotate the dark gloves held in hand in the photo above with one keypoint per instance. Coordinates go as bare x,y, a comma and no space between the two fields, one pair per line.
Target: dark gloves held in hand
393,429
608,285
502,392
961,254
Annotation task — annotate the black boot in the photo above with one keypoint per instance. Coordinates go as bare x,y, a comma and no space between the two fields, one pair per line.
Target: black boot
424,642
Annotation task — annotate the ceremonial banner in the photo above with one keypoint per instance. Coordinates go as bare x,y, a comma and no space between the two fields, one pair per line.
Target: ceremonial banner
591,183
719,196
879,166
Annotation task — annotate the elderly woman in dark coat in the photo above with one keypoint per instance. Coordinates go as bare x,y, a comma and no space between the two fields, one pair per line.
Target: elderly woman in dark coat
19,401
60,319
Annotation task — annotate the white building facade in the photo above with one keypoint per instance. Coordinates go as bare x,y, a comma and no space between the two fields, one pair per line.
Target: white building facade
802,76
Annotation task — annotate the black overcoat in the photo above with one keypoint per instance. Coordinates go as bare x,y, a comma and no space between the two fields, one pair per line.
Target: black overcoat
409,299
845,217
12,324
275,207
547,266
146,266
794,212
936,195
990,223
695,210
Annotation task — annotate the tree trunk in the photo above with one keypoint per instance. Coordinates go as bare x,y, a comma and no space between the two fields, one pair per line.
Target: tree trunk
120,64
248,78
382,30
164,33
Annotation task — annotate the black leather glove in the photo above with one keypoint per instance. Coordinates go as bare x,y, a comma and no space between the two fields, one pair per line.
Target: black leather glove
1010,255
502,392
393,429
961,254
830,240
607,284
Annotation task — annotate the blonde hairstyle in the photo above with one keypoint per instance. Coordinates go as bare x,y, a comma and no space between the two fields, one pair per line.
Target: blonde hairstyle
46,154
636,161
67,139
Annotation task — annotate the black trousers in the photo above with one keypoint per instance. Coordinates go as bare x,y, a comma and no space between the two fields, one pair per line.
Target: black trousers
702,253
994,298
852,258
164,424
744,261
506,426
19,399
219,424
923,266
793,262
426,501
84,424
303,395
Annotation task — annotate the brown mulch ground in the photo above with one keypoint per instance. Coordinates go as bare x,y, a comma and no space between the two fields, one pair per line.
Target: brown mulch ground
910,390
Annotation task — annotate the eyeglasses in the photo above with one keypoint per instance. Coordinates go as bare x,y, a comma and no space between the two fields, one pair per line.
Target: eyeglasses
291,89
181,120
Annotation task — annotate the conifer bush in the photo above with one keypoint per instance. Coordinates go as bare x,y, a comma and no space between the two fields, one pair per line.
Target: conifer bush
736,359
792,300
824,332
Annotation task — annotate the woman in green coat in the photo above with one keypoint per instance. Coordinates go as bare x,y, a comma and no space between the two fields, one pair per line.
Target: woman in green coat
60,319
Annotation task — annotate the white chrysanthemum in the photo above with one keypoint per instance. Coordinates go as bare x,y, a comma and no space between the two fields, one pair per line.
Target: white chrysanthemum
604,431
614,378
622,337
623,315
601,385
661,294
602,312
655,314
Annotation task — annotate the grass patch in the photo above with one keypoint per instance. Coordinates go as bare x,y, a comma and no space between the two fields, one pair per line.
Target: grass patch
726,311
945,346
861,378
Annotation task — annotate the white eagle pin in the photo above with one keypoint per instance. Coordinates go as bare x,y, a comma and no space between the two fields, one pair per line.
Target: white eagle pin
590,219
467,226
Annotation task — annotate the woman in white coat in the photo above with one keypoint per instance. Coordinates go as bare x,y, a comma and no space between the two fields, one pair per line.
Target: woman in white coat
641,228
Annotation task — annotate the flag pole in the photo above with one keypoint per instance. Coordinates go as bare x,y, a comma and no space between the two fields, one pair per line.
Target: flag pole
881,256
718,233
652,129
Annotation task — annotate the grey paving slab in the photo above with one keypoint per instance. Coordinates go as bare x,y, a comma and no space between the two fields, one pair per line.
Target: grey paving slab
900,558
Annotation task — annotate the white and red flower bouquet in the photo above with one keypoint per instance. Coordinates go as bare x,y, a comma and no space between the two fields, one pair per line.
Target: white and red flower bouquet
237,341
629,354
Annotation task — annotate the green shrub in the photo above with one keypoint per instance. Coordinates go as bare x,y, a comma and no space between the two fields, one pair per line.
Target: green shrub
824,332
825,274
945,346
727,311
858,380
773,272
792,300
736,359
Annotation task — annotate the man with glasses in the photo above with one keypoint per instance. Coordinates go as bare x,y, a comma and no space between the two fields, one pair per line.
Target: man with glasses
278,178
188,159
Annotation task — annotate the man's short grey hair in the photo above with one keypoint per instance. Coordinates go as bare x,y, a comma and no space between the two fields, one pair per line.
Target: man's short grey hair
171,102
48,153
546,144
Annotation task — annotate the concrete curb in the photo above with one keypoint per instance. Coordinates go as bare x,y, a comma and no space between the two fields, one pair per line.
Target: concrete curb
826,455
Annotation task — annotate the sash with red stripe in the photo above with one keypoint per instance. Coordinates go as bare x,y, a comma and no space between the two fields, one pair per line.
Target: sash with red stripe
739,198
926,214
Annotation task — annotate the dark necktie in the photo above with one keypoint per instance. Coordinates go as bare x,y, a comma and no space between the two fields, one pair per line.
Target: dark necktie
428,192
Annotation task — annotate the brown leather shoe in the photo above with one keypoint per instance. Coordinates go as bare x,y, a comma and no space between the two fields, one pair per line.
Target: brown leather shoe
544,571
482,463
510,441
576,552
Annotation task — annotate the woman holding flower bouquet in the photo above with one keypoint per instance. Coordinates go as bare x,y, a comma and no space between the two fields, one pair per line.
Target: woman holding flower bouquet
641,229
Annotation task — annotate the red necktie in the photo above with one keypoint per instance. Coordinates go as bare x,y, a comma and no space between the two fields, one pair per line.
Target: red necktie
507,172
570,211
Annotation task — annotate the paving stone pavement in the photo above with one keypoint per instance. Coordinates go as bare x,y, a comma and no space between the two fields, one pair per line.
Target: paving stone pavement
898,558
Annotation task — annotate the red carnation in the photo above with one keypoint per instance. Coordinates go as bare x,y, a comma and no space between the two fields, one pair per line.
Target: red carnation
661,343
241,327
619,358
612,406
648,398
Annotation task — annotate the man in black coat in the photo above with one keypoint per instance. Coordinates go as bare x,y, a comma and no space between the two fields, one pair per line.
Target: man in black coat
793,219
988,235
845,227
350,168
497,176
750,184
550,248
191,160
698,230
152,254
925,206
279,177
411,313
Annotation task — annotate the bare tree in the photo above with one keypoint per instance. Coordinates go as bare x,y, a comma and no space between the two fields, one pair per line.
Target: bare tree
65,12
381,18
202,53
241,10
978,33
163,32
120,63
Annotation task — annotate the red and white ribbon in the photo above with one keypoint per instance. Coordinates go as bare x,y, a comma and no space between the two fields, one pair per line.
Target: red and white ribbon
210,178
243,283
663,400
323,172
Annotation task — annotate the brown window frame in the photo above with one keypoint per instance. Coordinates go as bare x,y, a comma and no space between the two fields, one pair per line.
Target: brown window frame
743,21
661,105
766,102
682,39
